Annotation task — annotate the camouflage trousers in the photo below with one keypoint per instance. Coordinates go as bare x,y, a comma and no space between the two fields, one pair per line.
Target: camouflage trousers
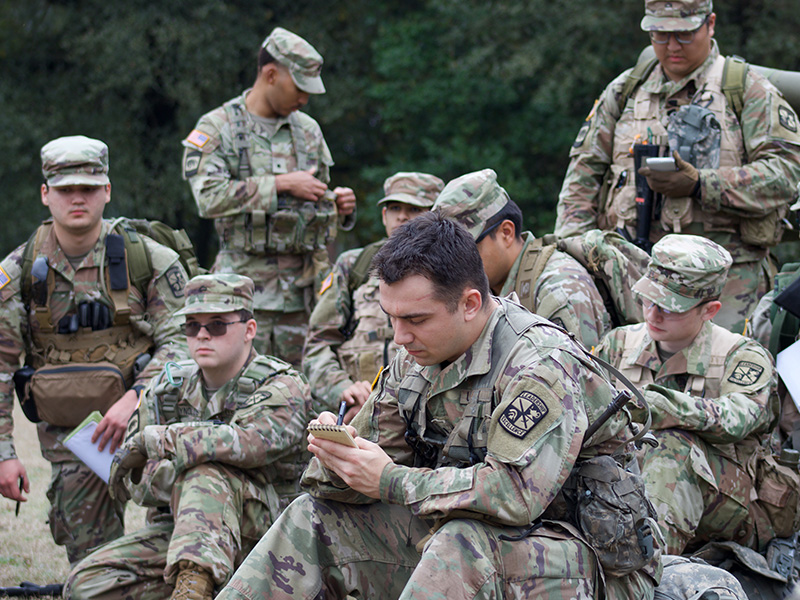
699,494
82,515
281,334
326,549
215,524
745,285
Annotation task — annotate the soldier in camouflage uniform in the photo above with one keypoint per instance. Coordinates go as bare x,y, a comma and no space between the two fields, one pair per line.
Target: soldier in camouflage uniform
72,249
710,393
216,448
465,441
736,195
259,167
548,282
349,336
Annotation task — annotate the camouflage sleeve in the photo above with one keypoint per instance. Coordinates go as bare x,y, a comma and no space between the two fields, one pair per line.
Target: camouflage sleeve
590,158
743,407
528,459
12,321
772,147
209,171
268,427
164,298
334,308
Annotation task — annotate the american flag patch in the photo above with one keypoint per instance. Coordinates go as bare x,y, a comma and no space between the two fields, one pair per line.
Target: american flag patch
326,283
197,138
4,278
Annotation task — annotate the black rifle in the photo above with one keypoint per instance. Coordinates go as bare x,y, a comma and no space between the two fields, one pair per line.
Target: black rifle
30,590
644,196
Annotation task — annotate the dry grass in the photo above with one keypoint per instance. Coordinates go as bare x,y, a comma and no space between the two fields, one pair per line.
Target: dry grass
27,551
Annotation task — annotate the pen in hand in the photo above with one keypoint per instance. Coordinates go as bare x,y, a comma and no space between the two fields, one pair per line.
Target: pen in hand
342,410
16,510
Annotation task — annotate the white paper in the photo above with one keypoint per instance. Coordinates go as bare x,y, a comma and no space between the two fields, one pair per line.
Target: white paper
788,364
81,445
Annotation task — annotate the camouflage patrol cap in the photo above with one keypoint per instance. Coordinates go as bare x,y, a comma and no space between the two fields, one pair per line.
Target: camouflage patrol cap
75,160
417,189
472,199
217,293
675,15
297,55
684,270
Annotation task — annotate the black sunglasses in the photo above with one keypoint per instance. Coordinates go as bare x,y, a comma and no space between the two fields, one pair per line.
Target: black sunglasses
215,328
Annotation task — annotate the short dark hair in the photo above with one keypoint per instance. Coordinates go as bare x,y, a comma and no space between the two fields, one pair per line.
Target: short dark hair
439,249
244,314
510,212
264,58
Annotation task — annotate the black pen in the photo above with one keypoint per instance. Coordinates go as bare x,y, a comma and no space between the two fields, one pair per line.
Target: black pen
16,510
342,410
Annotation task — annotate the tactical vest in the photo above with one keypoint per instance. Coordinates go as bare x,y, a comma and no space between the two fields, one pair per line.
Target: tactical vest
532,264
647,121
297,226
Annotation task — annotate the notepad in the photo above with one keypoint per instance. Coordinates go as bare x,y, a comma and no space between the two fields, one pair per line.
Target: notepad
80,442
334,433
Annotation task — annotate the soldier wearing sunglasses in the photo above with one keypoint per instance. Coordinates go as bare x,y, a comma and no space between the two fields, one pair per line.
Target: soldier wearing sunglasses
216,448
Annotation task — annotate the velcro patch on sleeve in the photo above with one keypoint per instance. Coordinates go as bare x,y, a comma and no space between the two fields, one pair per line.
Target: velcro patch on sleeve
523,414
746,373
198,138
4,278
326,283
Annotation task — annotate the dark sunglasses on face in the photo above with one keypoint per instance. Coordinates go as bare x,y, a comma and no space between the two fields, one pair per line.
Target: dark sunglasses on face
215,328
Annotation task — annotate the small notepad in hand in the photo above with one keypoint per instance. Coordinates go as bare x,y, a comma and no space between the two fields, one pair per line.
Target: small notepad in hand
334,433
80,442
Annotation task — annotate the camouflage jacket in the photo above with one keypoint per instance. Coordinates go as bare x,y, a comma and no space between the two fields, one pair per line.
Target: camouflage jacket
564,293
755,178
151,315
720,387
335,357
541,404
211,165
255,423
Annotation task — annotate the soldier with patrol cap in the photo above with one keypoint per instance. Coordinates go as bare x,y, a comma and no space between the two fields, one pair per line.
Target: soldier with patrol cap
66,300
349,336
547,281
737,145
260,168
216,446
710,393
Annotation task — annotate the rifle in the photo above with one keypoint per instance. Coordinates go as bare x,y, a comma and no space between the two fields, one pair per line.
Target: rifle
30,590
644,196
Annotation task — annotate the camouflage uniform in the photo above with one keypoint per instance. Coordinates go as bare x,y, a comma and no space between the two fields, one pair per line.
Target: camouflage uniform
349,336
711,404
277,240
221,465
547,281
335,541
758,166
82,514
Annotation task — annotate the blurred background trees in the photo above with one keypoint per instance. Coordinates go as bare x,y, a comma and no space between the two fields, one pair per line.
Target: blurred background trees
444,86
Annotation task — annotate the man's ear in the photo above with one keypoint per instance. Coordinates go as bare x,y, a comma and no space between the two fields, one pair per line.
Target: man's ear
507,233
45,189
251,327
710,309
472,303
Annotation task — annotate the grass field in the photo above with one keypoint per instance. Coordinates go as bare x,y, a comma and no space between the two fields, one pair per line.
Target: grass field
27,551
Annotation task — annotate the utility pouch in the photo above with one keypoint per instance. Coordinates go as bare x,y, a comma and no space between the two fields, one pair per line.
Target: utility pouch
778,488
765,231
65,394
22,379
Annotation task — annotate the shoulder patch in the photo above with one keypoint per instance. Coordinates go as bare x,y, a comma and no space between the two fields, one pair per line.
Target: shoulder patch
787,118
256,397
191,163
523,414
326,283
176,281
197,138
4,278
746,373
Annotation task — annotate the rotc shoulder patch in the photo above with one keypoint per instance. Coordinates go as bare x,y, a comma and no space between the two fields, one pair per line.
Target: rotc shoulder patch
787,118
326,283
523,414
746,373
4,278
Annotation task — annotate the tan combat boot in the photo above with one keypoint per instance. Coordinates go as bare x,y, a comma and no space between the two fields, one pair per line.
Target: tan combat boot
193,583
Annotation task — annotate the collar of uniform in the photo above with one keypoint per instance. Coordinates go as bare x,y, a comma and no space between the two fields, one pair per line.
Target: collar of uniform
646,354
511,281
660,84
692,360
279,121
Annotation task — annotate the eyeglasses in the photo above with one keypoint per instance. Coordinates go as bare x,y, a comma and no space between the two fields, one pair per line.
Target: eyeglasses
683,37
215,328
668,315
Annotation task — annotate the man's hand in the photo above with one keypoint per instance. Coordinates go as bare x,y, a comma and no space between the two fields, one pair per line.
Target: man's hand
355,395
115,422
345,200
10,472
359,468
301,184
131,455
674,184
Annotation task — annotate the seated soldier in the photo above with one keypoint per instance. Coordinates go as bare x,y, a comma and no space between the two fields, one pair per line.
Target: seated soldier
709,391
215,447
349,337
463,444
548,282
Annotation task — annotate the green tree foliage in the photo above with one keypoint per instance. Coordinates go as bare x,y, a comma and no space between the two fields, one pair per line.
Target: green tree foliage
445,86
